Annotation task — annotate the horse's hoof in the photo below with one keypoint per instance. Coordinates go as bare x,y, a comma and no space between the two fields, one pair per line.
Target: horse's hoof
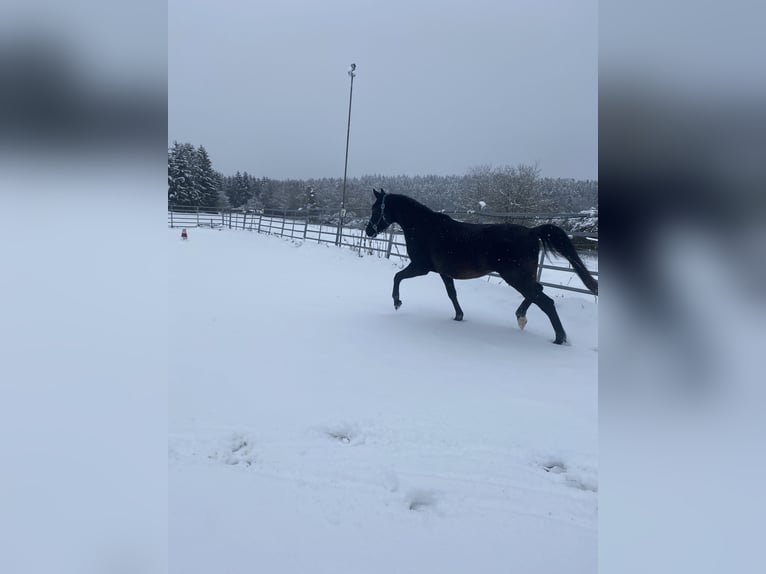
458,318
397,304
522,322
559,341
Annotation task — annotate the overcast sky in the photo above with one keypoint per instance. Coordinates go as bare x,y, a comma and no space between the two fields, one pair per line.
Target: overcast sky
441,85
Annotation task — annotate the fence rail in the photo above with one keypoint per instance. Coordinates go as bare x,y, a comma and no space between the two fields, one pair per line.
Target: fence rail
322,227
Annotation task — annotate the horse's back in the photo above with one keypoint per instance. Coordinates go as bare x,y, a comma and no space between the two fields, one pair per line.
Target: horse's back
494,237
471,250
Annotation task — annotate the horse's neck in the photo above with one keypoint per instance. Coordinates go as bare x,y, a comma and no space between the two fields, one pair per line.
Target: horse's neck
409,214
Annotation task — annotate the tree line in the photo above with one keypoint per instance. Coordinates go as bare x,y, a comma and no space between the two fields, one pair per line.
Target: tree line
192,181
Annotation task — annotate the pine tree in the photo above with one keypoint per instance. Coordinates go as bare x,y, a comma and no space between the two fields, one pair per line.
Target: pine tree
247,188
205,179
181,170
232,191
267,190
238,192
312,202
222,182
176,181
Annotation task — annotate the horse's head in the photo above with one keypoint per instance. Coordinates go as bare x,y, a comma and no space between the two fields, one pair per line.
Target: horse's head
379,220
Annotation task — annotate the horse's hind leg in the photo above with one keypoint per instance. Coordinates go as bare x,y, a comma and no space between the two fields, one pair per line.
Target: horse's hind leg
533,293
449,283
516,280
521,313
549,308
412,270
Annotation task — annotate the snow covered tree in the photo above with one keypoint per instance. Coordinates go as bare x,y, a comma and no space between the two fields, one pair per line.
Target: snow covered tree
482,190
268,192
509,189
247,187
238,192
223,200
192,181
205,178
312,201
182,189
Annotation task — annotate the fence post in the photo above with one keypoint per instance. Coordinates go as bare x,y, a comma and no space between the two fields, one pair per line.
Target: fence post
305,227
244,218
197,216
390,244
171,219
260,218
540,265
284,216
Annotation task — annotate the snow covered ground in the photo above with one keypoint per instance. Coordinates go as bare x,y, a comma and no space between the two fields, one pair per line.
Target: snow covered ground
313,428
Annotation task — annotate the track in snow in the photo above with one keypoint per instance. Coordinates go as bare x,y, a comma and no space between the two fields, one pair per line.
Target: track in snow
314,428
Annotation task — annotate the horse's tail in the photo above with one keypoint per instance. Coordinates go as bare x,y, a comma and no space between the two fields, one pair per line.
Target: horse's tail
555,239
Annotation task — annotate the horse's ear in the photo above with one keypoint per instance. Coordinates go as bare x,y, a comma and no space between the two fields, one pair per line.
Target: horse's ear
377,193
382,191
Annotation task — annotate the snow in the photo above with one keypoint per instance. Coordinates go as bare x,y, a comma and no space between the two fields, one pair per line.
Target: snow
83,370
313,428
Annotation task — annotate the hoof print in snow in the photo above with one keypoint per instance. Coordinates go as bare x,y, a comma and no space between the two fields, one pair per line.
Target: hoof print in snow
345,434
580,477
582,483
238,451
389,480
340,437
555,466
421,500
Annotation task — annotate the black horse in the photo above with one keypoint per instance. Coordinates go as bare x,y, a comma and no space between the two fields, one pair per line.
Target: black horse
455,250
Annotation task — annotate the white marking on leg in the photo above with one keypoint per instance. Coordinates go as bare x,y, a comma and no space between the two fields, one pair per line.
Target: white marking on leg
522,322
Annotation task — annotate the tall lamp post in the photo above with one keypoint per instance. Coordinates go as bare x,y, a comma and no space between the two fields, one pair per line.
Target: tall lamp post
351,73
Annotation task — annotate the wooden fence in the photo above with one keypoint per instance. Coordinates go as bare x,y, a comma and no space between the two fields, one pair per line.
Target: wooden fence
322,227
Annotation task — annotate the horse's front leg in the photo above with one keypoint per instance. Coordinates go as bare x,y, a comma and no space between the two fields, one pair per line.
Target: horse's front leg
449,283
412,270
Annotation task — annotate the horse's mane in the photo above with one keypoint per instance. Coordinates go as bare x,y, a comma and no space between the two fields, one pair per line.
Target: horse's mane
411,203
